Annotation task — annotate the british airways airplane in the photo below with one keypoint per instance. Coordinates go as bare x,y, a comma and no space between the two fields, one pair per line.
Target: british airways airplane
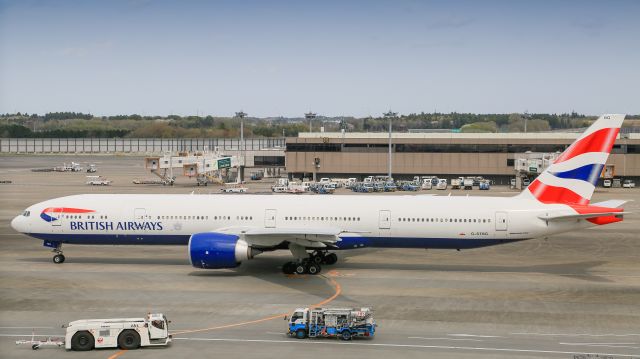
223,231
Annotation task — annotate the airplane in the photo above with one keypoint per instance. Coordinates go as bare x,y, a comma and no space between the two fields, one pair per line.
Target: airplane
222,231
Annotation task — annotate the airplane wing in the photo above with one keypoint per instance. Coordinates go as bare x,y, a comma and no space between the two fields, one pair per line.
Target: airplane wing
307,237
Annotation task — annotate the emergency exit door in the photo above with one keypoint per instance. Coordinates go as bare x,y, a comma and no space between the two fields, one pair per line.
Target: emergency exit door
270,218
501,221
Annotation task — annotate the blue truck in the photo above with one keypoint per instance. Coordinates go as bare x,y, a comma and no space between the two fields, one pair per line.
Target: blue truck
343,323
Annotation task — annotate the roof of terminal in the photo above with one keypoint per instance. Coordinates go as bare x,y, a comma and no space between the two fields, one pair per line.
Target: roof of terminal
453,135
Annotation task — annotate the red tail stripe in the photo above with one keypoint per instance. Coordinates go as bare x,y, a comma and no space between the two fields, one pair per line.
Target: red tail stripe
552,194
599,141
67,210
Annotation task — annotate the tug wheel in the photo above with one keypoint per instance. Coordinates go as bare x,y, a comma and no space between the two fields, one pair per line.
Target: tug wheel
129,339
82,341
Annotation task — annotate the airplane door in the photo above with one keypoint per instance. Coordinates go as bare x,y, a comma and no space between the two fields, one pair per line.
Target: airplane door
501,221
384,219
270,218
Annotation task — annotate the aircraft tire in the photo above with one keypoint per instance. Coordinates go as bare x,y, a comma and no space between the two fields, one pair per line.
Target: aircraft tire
314,269
300,268
330,259
289,268
317,258
58,259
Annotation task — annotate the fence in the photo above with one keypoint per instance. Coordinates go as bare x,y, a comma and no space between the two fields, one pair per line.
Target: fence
132,145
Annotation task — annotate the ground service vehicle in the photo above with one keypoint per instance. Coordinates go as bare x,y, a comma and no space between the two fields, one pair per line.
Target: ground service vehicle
124,333
442,184
97,181
468,183
628,184
606,183
344,323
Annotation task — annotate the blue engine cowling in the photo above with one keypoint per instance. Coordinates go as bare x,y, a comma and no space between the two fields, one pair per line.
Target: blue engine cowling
212,250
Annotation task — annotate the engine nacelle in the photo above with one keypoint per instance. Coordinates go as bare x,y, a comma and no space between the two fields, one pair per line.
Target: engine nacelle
212,250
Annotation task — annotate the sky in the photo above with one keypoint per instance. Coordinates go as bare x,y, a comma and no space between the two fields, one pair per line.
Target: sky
335,58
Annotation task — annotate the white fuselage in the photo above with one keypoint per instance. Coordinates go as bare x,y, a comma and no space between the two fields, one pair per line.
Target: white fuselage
417,221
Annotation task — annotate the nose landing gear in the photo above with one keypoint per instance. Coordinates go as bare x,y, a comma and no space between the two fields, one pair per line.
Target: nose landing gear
58,258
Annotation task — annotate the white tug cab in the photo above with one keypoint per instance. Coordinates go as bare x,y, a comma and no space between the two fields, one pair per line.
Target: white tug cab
124,333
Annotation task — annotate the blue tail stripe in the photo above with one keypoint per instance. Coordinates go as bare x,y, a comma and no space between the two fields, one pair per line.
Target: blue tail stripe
588,173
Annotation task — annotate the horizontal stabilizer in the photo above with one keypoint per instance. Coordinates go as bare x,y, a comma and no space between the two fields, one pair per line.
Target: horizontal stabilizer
570,217
613,203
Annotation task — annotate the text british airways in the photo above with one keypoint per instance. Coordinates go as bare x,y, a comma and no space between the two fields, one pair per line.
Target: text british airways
118,226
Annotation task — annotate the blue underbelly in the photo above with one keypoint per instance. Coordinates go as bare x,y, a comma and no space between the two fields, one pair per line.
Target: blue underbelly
344,243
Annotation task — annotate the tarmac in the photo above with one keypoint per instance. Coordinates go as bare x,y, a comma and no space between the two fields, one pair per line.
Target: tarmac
574,295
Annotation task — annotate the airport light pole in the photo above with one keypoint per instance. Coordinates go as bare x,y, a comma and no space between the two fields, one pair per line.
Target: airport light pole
241,115
310,116
390,115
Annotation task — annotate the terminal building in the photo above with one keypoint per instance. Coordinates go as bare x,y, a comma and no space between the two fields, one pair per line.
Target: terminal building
491,155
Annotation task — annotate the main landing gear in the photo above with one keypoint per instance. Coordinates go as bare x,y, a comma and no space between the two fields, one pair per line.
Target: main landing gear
311,264
58,258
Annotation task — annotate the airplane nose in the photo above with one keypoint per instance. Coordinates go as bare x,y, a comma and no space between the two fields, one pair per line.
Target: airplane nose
16,224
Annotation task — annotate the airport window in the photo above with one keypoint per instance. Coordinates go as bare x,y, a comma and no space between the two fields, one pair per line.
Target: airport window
313,147
269,161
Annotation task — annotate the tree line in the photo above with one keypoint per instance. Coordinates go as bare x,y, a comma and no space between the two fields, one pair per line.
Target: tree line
78,124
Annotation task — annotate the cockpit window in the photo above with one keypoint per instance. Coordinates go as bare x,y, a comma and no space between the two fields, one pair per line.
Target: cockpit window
26,213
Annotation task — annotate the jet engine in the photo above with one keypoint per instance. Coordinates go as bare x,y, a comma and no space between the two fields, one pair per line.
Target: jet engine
212,250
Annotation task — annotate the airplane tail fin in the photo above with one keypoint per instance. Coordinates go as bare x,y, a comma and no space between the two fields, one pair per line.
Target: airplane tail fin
572,177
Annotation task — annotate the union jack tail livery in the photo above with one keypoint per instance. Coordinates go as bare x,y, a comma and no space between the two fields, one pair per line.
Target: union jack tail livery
572,178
